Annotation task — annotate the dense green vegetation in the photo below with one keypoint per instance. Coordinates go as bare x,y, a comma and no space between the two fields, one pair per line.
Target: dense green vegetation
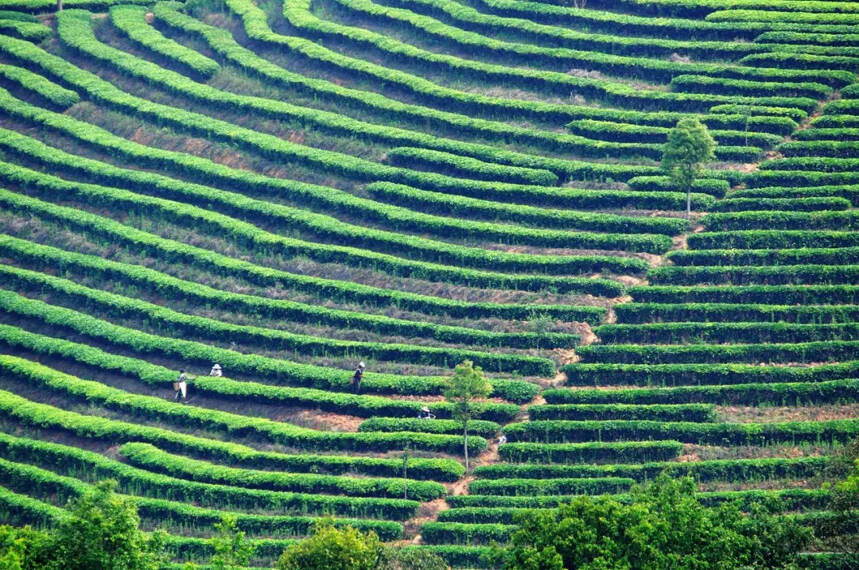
307,277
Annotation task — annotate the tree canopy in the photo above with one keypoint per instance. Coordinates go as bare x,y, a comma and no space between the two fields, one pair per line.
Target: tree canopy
101,531
467,384
332,548
664,526
688,147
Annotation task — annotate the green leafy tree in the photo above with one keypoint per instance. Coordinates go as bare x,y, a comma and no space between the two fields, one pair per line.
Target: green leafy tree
411,559
331,548
13,547
102,532
841,478
663,527
467,384
232,549
688,147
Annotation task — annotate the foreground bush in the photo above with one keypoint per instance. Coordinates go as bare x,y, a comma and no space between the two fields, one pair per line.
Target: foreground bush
663,527
332,548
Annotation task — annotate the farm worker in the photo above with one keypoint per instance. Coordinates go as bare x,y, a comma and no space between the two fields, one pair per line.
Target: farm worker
425,414
502,439
358,376
181,386
216,370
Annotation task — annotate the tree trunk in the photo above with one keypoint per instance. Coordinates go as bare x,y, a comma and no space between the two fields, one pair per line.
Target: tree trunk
465,439
688,202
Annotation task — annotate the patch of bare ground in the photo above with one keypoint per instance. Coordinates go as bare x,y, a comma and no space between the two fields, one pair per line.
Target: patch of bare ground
766,485
749,166
510,93
487,457
586,334
765,414
544,250
611,315
413,398
566,356
652,258
459,487
427,512
319,420
631,281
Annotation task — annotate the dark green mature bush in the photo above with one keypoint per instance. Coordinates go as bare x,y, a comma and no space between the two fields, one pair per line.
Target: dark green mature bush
711,186
658,310
776,257
692,333
705,374
562,431
734,470
592,452
790,393
705,84
752,275
826,148
629,231
459,533
560,486
723,300
479,427
772,239
558,410
793,498
786,203
819,351
775,220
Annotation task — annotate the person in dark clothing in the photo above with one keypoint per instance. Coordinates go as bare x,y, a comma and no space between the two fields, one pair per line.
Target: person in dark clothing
357,377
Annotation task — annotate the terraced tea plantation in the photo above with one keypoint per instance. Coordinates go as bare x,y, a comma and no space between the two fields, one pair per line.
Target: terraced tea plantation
289,188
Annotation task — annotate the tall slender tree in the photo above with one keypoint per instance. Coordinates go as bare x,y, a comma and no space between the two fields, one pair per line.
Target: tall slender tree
467,384
688,147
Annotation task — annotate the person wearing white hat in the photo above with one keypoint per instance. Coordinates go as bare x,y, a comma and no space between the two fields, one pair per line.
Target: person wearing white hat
426,414
181,387
216,370
358,376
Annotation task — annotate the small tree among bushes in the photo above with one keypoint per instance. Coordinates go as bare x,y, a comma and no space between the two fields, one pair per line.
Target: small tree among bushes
331,548
467,384
688,147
